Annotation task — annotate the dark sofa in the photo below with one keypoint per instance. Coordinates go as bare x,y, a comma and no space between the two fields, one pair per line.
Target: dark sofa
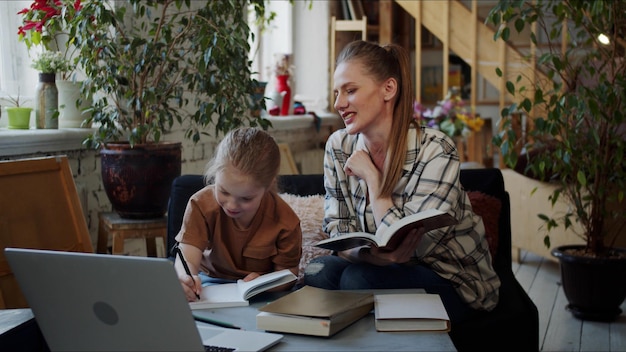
512,326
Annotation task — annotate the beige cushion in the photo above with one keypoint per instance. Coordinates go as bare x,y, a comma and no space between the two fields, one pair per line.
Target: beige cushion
310,210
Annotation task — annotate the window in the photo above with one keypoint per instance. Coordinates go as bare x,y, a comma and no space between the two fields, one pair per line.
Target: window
15,70
298,28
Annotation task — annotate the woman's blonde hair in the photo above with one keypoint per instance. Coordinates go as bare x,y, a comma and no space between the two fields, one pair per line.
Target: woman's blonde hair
250,150
382,63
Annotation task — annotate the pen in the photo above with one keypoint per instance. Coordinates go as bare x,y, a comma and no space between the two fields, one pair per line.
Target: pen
182,260
215,322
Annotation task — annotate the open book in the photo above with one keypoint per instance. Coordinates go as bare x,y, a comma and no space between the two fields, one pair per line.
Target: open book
391,236
238,294
410,312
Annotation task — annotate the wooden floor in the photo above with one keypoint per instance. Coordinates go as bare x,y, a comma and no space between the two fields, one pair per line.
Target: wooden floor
559,330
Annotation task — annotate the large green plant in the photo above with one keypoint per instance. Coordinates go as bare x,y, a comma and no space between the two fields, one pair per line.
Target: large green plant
150,63
578,132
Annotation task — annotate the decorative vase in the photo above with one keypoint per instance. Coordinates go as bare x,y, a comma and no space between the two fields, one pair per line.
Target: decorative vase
46,102
282,87
18,117
71,115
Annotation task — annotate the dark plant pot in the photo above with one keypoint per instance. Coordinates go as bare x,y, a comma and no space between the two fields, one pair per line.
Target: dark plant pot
138,180
595,287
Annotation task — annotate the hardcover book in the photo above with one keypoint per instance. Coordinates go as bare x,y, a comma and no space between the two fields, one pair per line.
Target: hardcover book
315,311
390,237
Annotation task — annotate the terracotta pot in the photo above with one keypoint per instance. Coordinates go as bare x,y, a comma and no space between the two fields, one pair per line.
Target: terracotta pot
595,287
138,180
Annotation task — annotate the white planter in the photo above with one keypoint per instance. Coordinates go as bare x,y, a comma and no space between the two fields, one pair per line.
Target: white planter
71,116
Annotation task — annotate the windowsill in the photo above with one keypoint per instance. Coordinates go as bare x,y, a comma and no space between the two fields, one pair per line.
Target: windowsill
291,122
32,141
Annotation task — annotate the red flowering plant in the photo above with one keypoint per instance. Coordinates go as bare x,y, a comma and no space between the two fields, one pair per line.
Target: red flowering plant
450,115
44,24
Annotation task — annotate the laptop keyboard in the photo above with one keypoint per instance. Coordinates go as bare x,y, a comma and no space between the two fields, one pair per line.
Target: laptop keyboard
217,349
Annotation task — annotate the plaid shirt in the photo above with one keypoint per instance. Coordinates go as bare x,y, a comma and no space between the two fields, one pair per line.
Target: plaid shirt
430,179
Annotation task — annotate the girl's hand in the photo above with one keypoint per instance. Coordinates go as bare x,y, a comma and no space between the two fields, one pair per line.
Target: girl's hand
192,288
251,276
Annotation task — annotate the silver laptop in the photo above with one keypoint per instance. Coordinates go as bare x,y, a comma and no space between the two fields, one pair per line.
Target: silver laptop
101,302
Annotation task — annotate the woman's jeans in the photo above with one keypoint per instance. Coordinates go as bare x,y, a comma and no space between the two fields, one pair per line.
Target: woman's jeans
335,273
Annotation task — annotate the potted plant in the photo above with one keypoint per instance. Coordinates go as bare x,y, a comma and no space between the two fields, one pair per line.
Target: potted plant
577,139
18,116
150,64
48,63
44,27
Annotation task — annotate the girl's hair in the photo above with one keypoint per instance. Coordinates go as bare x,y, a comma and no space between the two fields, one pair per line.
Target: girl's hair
252,151
381,63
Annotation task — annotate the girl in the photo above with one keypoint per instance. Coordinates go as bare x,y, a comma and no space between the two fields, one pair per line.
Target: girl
238,227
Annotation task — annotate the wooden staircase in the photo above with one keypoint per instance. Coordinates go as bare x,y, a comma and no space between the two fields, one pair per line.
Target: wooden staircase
461,31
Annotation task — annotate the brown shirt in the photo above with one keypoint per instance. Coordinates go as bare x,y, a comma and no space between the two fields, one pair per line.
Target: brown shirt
273,238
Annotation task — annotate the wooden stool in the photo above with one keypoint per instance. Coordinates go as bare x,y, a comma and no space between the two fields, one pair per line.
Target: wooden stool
111,224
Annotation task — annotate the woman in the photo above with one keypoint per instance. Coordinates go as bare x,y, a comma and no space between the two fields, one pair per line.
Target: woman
383,166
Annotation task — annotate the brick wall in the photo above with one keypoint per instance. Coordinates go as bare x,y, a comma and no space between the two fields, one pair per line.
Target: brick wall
298,132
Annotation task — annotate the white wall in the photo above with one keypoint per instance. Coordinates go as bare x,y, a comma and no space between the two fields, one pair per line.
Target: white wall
311,37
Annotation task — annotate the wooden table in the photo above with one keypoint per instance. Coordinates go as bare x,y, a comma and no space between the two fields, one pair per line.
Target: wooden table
360,336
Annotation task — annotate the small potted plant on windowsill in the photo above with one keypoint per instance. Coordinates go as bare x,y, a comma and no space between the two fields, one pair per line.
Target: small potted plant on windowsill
18,116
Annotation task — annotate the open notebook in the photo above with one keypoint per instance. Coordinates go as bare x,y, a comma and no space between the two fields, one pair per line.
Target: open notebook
101,302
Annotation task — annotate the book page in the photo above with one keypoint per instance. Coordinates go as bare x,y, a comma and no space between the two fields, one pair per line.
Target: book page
238,294
347,241
430,219
248,289
218,296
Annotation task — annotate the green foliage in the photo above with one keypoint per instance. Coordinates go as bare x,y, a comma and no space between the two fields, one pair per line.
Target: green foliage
152,63
44,26
578,131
